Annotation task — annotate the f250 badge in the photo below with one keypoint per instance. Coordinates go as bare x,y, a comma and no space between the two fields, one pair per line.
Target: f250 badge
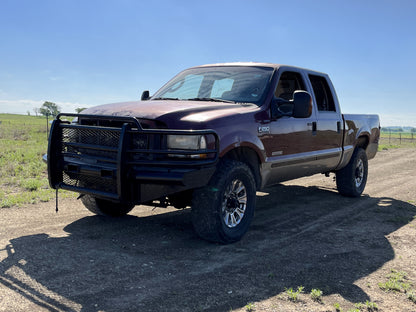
263,129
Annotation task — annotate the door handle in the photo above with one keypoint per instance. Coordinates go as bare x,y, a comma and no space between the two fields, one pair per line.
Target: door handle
313,125
339,126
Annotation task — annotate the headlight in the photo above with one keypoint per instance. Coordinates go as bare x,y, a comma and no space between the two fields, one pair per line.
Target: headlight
187,142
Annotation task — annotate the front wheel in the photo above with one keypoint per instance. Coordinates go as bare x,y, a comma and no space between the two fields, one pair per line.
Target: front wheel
222,211
105,207
352,179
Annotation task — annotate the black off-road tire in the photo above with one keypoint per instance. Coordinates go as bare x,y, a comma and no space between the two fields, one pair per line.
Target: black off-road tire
222,211
105,207
352,179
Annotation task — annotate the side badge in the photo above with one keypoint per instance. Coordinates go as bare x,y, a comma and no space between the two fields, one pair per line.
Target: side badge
263,129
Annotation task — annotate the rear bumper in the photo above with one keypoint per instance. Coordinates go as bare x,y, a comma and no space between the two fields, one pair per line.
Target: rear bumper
105,162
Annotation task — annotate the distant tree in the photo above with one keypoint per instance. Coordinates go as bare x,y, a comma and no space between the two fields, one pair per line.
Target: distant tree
36,110
413,130
28,113
49,109
80,109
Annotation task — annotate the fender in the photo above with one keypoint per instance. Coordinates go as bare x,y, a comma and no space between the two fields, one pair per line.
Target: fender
240,138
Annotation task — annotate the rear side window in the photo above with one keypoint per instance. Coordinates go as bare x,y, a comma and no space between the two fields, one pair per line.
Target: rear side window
323,94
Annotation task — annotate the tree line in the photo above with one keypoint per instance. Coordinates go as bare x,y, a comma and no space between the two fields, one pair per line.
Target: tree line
50,109
398,129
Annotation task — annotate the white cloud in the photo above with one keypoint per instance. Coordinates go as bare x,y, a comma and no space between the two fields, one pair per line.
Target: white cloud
401,120
25,105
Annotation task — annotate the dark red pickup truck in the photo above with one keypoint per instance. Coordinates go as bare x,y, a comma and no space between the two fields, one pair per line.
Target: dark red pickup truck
210,138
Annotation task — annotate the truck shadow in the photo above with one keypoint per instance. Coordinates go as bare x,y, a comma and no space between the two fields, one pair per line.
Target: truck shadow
156,263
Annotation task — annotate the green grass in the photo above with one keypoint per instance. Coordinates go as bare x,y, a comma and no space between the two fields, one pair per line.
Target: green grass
411,296
396,282
316,295
23,174
397,135
294,295
250,307
390,141
337,307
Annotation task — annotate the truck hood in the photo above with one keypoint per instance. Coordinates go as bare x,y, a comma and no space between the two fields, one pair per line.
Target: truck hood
196,111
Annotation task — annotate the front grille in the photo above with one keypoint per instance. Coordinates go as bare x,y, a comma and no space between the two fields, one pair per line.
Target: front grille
95,142
108,185
105,161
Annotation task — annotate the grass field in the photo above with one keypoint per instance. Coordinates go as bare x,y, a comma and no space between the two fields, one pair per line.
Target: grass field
397,140
23,174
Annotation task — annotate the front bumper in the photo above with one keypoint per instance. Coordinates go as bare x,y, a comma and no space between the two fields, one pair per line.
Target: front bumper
126,163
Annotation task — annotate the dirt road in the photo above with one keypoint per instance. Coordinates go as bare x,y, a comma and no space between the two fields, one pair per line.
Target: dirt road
304,233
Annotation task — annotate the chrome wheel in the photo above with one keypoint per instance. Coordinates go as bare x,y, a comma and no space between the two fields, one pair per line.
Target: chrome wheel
351,179
223,210
359,173
234,203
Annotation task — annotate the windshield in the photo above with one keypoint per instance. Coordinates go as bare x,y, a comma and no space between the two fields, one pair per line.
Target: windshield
239,84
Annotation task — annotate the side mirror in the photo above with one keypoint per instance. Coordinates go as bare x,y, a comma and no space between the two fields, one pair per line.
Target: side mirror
145,95
281,107
302,101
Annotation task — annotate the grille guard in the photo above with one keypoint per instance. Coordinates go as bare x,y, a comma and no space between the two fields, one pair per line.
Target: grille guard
103,161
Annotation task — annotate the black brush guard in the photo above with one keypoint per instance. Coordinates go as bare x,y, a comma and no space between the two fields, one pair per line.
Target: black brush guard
124,163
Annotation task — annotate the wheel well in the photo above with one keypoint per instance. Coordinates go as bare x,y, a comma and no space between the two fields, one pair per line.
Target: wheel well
250,158
362,142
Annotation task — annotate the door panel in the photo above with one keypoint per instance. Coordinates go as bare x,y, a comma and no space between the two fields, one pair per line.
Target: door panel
290,147
329,126
297,147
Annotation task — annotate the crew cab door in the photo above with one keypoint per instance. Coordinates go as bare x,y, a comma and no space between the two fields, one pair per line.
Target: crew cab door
329,124
290,143
297,147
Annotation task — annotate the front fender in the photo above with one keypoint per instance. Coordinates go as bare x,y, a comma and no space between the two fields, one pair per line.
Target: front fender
239,139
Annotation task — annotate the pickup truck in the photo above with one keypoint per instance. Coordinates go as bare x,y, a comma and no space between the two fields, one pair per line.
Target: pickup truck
209,139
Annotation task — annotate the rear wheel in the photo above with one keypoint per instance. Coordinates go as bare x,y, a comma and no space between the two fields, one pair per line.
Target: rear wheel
352,179
222,211
105,207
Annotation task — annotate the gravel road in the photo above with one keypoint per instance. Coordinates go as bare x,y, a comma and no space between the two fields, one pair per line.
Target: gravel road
304,233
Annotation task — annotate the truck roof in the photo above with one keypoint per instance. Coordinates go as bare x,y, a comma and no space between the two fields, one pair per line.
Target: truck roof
257,64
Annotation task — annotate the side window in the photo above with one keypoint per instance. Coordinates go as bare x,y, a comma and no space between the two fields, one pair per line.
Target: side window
323,94
289,82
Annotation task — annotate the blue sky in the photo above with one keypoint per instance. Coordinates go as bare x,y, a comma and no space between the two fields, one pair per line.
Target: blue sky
85,53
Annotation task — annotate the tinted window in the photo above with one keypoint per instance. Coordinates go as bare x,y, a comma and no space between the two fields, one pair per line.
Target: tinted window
289,82
323,94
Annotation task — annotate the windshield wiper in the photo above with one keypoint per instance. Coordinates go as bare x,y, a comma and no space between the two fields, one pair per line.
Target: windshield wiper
166,98
208,99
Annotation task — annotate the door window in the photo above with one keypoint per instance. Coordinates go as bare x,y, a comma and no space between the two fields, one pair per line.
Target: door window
323,95
289,82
